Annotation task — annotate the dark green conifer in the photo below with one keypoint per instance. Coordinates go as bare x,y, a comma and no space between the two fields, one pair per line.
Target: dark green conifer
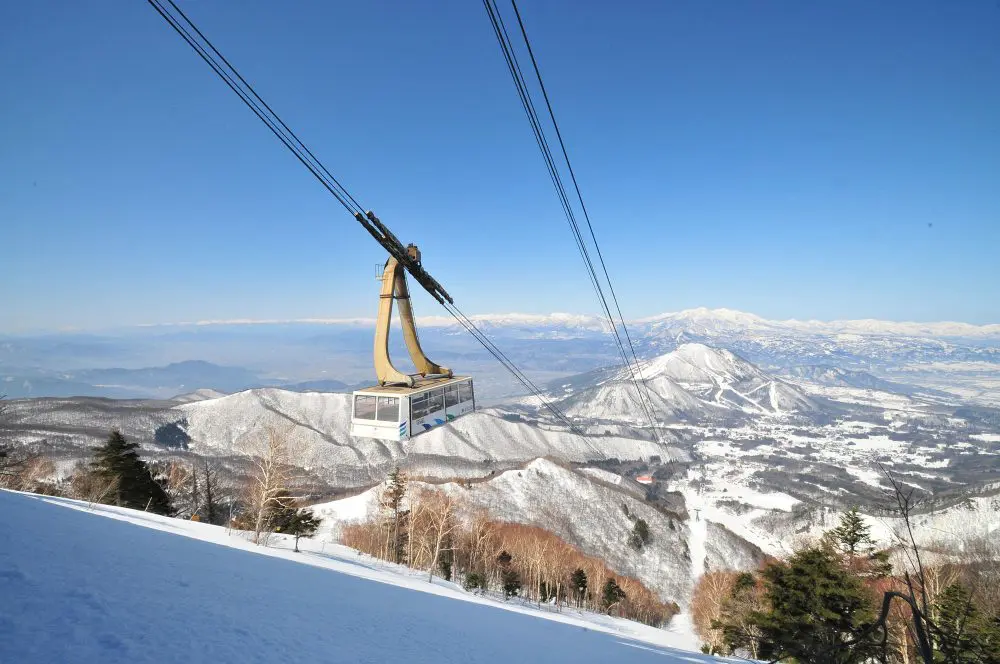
302,524
578,581
817,606
640,535
612,594
117,464
963,635
853,536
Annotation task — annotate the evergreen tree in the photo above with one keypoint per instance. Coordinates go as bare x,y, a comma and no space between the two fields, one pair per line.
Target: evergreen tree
817,606
578,581
611,594
510,580
963,635
281,513
117,463
393,498
474,581
303,524
853,536
447,559
640,535
853,539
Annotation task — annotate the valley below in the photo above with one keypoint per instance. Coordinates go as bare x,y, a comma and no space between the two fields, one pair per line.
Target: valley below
738,438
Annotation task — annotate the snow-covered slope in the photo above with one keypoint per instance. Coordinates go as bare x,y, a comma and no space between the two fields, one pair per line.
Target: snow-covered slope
617,400
114,585
592,517
721,377
317,426
591,510
198,395
715,321
692,383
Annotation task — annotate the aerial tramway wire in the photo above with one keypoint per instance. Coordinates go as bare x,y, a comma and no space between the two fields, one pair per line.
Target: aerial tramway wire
255,102
283,132
514,67
576,186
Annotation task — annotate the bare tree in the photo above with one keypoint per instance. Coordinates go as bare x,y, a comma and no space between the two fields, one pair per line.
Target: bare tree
441,516
182,486
270,476
707,603
15,460
91,487
211,492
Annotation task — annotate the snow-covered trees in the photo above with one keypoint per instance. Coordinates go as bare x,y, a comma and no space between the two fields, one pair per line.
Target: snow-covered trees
20,467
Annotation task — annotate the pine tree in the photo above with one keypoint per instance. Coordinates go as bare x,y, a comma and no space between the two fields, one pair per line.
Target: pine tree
578,581
853,539
611,594
853,536
303,524
817,606
640,535
281,513
963,635
510,580
117,463
393,498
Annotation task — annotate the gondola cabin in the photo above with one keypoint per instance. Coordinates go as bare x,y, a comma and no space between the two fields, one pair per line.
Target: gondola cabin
399,412
403,405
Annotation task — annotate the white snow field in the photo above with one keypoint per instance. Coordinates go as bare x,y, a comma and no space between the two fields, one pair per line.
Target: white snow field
105,584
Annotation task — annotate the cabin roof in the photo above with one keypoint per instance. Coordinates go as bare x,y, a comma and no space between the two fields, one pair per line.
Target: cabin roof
421,384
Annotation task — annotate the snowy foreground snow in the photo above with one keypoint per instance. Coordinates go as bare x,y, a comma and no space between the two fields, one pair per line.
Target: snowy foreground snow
105,584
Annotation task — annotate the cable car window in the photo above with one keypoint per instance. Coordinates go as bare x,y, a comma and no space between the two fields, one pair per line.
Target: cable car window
388,409
465,392
436,400
451,396
419,406
364,407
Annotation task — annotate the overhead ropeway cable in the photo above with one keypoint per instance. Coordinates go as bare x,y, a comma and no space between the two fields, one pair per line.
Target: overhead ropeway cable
631,365
188,31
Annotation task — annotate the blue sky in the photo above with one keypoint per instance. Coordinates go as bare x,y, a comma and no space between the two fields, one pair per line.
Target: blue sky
810,160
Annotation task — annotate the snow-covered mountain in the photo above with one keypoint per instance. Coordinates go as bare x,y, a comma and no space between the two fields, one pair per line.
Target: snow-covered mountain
715,322
700,321
692,383
721,377
596,516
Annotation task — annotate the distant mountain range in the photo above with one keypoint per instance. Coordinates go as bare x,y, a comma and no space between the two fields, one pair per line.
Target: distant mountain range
702,321
334,355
